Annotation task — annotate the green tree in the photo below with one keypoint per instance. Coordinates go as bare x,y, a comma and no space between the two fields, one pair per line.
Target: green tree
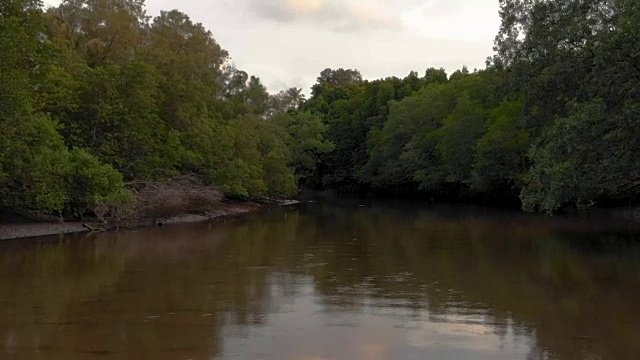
585,159
305,142
39,173
190,63
286,101
33,158
330,79
402,146
91,183
460,132
118,119
101,31
501,155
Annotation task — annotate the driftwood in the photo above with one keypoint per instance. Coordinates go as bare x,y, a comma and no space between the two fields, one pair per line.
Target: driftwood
99,228
155,201
158,203
185,194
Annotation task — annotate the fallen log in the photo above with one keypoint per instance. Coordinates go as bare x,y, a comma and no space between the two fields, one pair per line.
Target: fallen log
94,229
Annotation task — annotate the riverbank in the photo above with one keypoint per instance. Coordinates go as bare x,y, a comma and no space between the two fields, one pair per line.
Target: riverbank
36,229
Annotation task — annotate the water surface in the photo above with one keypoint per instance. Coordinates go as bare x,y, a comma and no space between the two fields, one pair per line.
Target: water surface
341,280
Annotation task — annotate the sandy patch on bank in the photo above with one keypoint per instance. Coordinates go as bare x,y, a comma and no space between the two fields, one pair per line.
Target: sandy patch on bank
15,231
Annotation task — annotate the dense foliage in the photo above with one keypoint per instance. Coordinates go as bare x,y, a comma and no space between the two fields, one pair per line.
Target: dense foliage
553,119
96,94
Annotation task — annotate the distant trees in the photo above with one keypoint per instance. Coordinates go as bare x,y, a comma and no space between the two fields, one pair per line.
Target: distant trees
552,119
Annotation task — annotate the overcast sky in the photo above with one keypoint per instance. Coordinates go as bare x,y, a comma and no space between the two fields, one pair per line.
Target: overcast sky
288,42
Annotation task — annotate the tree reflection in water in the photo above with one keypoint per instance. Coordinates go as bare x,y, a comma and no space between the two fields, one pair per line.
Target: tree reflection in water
327,280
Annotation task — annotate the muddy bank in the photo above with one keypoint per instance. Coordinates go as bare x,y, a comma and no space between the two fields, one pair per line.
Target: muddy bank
27,230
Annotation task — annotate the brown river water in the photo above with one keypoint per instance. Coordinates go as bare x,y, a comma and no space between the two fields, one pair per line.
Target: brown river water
329,280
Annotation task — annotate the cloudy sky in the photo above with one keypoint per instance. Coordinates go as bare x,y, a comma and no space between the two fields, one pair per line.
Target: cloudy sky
288,42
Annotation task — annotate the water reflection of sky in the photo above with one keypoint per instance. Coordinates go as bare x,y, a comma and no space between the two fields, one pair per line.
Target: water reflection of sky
324,283
306,327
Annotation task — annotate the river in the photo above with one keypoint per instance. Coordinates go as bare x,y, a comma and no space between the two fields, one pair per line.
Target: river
329,280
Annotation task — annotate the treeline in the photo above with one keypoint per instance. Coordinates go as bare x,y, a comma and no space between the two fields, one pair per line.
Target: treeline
552,121
96,94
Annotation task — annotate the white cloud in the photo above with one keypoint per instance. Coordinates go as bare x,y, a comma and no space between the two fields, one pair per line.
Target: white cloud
464,19
335,15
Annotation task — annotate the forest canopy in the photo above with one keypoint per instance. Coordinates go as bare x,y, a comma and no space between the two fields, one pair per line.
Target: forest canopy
96,94
552,121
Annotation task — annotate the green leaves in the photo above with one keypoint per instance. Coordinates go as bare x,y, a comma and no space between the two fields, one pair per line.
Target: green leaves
91,183
33,158
586,159
430,136
247,157
305,141
460,132
36,161
501,155
552,118
134,100
573,61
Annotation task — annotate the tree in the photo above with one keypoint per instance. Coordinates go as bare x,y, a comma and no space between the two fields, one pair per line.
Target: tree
329,79
305,142
437,76
102,31
460,132
118,119
587,158
92,184
501,154
286,101
573,60
33,158
400,148
191,63
35,165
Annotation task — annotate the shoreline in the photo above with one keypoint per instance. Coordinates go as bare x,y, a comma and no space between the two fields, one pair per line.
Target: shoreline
38,229
12,231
